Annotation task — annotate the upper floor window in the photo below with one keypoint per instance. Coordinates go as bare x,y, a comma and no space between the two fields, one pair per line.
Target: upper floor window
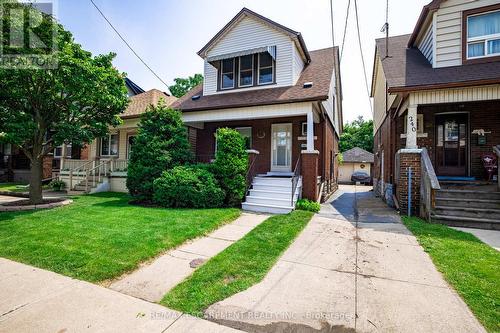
266,68
227,73
246,71
483,35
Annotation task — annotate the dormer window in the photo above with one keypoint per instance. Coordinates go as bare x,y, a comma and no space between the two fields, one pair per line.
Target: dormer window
266,68
227,73
483,34
246,71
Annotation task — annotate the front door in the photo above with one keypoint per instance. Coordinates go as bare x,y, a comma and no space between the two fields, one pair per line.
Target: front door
281,152
452,144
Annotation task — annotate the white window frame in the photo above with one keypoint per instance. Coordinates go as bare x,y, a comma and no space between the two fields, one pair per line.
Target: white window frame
129,135
259,68
251,136
222,74
108,137
245,70
68,149
484,39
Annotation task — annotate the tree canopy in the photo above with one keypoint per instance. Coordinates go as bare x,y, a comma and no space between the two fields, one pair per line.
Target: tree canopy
358,133
74,101
183,85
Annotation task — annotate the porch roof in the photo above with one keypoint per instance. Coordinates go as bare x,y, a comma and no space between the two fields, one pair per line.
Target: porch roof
319,71
139,103
406,69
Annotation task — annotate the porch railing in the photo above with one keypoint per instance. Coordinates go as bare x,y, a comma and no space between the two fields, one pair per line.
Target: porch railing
119,165
296,178
250,174
70,164
496,149
96,174
80,168
428,187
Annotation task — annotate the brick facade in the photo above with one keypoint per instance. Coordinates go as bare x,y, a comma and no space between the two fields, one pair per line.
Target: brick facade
47,167
310,175
409,160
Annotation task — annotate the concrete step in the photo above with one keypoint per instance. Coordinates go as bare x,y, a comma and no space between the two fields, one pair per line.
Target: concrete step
272,209
274,194
479,213
468,222
272,181
274,188
269,201
468,203
467,194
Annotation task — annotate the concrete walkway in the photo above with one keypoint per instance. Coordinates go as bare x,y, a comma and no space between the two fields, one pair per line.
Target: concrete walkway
490,237
153,280
38,301
355,268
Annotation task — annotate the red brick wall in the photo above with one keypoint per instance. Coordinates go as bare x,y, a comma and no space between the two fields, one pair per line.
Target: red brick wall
309,177
261,139
47,167
483,115
84,153
408,160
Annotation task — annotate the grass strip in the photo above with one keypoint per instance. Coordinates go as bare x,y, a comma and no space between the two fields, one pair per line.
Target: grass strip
469,265
101,236
238,267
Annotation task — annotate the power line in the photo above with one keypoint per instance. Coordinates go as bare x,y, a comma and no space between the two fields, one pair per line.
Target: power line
345,29
128,45
361,52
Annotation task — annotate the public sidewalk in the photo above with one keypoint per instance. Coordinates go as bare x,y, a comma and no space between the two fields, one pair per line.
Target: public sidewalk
39,301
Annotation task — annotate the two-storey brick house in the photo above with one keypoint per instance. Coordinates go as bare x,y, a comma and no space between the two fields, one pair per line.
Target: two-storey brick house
439,89
261,79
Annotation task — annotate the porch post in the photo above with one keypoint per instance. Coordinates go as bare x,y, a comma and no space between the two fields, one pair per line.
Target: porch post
411,127
63,156
310,131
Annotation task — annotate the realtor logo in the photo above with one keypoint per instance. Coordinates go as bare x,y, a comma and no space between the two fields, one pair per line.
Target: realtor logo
28,34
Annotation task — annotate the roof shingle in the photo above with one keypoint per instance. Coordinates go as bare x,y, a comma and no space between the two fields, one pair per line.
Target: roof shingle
407,68
357,155
319,71
139,103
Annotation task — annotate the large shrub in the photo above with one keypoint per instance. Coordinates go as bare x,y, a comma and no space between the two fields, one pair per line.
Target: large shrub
231,164
188,186
161,144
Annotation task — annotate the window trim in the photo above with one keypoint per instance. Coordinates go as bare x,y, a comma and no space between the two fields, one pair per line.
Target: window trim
251,133
129,135
465,40
303,130
272,71
246,70
109,142
68,149
222,74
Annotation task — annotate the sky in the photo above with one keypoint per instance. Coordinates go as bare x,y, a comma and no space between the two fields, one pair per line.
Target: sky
168,33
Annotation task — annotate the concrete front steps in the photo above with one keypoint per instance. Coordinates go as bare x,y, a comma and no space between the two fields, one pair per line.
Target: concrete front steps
467,208
271,193
101,185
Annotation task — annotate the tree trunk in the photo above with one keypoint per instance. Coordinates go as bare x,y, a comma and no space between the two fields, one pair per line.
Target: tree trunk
36,181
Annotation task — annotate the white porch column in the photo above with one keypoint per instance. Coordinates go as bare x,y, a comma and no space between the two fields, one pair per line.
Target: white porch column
310,131
64,149
411,127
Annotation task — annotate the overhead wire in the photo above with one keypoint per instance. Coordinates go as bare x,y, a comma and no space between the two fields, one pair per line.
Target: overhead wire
362,56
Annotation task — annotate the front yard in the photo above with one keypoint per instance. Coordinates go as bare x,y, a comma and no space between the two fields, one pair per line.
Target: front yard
101,236
469,265
13,187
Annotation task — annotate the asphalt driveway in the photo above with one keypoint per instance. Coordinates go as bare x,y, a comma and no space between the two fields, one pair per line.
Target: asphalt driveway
355,268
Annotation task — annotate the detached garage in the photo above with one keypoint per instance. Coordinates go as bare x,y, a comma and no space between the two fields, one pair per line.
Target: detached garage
355,159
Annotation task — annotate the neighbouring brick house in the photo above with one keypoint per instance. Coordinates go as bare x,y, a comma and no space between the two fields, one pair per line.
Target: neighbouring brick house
261,79
439,89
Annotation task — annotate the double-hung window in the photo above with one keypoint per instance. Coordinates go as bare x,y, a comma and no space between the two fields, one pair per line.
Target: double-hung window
58,151
266,68
246,71
483,35
109,145
227,74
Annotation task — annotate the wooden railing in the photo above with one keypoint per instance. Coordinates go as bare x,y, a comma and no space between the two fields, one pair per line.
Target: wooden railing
119,165
428,187
69,164
496,149
79,169
95,175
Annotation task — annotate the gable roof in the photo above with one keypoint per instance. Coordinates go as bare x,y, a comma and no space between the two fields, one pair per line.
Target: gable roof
319,71
296,36
406,69
357,155
138,104
132,86
429,8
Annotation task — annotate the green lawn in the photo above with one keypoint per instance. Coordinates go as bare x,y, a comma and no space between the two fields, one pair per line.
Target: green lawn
240,266
469,265
12,187
101,236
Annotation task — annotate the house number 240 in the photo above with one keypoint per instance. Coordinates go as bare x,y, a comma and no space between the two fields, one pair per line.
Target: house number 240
412,124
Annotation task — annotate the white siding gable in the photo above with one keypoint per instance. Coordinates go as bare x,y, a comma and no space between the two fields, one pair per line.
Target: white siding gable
426,45
298,64
449,30
247,34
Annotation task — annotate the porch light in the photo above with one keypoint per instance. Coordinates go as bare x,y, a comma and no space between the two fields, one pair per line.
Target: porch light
308,84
